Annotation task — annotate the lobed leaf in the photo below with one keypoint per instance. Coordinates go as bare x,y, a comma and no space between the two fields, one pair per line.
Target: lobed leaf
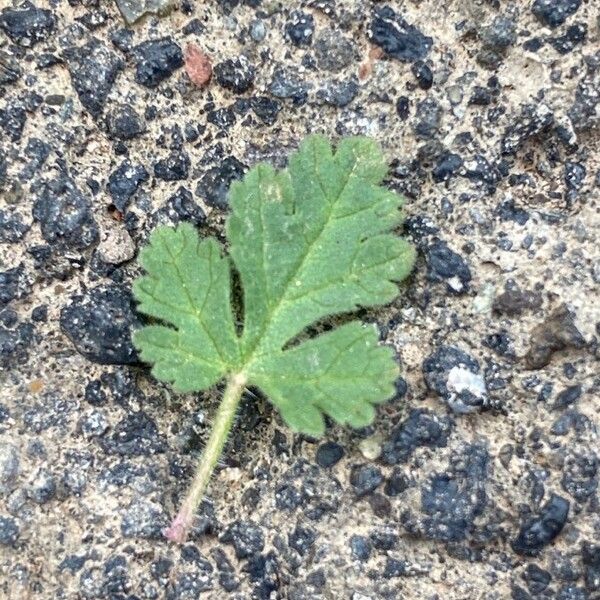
187,286
341,373
311,241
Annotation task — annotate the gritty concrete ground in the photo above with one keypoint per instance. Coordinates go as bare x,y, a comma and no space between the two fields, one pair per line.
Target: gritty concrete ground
480,478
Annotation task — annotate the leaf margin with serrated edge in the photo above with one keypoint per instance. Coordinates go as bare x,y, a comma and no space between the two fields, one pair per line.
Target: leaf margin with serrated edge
281,196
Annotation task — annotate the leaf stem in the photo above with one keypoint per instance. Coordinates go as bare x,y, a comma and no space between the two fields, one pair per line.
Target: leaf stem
181,524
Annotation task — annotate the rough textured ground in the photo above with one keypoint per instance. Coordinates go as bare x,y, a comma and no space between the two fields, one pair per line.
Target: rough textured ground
479,480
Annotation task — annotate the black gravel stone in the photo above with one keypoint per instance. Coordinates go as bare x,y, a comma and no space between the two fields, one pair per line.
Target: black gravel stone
156,60
479,170
538,531
397,37
43,487
94,394
12,121
480,96
329,454
395,568
300,28
423,74
500,34
533,44
191,555
94,19
40,314
333,51
246,537
99,324
403,107
286,83
15,344
420,428
534,119
446,266
384,539
572,592
508,211
180,207
338,93
227,577
93,69
235,74
554,12
124,123
263,571
317,579
136,435
590,556
223,118
496,38
72,563
190,584
124,181
583,113
396,483
37,151
14,284
143,519
428,119
360,547
93,424
27,25
365,479
47,60
401,388
420,228
518,593
191,132
9,531
288,497
173,168
265,108
500,342
537,579
567,397
214,184
122,39
574,175
10,71
10,467
580,476
455,376
573,37
452,501
380,506
64,214
121,384
12,228
301,539
571,421
447,166
116,578
9,317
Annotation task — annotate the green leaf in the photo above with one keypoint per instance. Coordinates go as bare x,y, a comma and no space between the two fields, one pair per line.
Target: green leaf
188,287
308,242
341,373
